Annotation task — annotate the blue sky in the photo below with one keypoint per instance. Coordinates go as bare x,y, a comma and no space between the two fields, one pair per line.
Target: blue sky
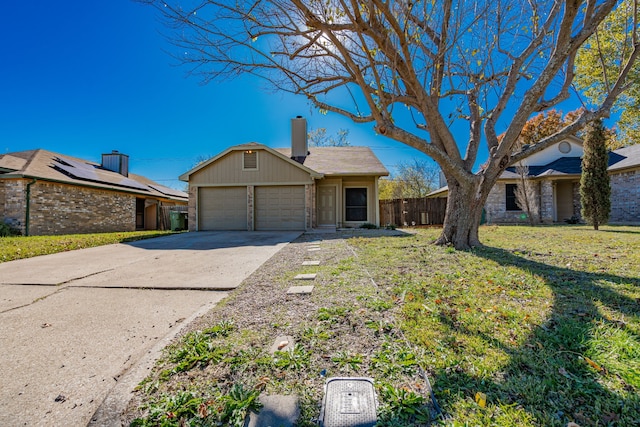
83,78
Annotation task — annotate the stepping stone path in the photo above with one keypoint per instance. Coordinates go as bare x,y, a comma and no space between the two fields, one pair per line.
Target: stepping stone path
276,411
300,290
284,410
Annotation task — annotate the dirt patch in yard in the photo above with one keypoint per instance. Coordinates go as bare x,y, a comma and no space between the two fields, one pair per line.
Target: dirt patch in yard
345,327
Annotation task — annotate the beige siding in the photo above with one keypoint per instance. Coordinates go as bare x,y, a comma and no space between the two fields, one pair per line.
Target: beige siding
222,208
340,183
372,202
228,171
280,208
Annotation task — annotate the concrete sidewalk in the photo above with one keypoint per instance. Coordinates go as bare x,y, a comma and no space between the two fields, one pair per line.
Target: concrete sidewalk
81,326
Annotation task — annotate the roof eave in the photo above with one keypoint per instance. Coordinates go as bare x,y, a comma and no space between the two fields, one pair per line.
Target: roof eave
356,174
96,186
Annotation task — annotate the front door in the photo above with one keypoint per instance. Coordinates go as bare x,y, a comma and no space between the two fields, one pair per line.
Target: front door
564,200
326,205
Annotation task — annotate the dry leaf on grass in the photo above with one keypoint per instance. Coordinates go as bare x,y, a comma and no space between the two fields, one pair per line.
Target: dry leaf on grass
481,399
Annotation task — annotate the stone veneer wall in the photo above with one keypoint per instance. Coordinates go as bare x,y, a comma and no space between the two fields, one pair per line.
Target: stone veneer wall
66,209
625,197
191,212
310,203
250,207
495,207
546,202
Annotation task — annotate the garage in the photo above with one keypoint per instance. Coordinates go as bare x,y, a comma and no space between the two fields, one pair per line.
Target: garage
279,207
222,208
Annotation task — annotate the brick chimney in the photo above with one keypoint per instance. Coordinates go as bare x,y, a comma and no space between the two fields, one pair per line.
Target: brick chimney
299,144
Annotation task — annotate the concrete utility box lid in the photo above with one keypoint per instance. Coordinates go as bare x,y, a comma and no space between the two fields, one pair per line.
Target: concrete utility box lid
348,402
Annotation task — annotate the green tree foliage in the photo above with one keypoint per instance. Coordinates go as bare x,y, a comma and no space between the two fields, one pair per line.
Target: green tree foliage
387,189
595,189
319,138
607,52
444,77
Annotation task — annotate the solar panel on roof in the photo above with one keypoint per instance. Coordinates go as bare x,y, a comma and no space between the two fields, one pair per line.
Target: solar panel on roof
89,172
127,182
168,191
77,172
75,164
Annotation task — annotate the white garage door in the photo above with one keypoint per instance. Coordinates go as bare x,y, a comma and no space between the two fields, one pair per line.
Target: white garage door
222,208
279,208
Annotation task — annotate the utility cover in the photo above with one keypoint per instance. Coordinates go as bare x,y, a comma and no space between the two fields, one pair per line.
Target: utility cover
348,402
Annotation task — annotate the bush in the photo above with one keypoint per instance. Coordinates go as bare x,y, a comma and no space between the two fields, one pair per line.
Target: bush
7,230
369,226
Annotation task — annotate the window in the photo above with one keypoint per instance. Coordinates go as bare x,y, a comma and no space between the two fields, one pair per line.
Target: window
511,197
250,160
356,204
564,147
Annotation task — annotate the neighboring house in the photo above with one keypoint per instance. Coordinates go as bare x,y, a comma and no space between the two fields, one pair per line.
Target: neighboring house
45,193
254,187
555,172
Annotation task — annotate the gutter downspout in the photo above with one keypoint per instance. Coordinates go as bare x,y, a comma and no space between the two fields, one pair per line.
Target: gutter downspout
28,206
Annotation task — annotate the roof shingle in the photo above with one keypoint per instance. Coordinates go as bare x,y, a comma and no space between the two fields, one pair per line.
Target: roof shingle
352,160
47,165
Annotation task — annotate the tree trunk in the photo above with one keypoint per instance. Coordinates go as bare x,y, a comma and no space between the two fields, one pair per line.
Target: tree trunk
463,215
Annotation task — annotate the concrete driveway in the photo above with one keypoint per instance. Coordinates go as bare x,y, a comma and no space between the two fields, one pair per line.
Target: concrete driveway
80,329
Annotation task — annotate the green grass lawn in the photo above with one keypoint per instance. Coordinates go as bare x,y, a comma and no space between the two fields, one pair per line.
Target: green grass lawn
18,247
542,321
540,327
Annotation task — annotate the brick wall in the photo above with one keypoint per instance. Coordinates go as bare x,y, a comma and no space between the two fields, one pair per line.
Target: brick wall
64,209
13,206
2,198
625,197
495,207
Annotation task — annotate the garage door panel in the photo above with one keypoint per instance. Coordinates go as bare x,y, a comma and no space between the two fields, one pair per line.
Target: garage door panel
222,208
280,208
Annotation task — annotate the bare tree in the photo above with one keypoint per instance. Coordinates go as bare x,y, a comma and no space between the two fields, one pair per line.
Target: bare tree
526,194
416,178
414,70
319,138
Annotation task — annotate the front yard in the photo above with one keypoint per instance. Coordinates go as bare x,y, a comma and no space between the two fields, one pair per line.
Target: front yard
539,327
18,247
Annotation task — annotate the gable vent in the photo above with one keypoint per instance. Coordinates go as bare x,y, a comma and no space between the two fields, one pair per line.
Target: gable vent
250,160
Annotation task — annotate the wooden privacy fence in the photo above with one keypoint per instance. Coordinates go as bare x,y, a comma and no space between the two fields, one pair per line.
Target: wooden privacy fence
410,212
